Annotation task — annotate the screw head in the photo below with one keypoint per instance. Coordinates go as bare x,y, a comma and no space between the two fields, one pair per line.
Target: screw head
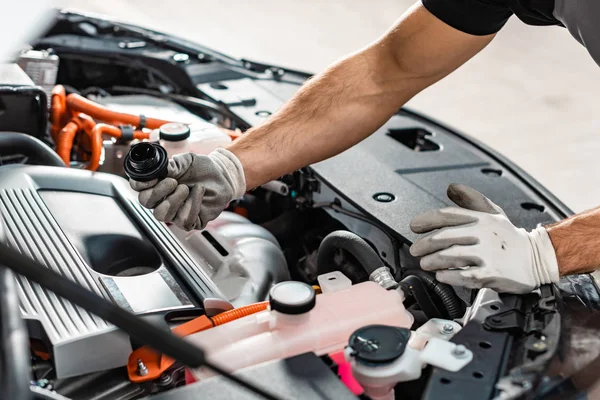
459,351
165,379
447,329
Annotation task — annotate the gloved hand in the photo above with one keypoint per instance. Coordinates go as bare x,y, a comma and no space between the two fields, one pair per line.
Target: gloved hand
196,190
475,245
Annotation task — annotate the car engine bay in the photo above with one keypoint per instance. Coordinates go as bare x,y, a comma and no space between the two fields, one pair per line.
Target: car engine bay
304,287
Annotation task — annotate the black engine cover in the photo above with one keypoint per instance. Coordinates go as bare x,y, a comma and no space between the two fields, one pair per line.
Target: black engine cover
412,160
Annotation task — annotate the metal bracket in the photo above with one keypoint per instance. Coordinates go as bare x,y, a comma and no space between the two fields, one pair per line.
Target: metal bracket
512,321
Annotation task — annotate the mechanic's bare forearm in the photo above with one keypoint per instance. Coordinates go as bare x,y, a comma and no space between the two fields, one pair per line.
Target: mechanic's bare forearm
576,241
354,97
332,112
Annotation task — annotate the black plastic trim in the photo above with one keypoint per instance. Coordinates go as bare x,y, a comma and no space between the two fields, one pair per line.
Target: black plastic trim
525,178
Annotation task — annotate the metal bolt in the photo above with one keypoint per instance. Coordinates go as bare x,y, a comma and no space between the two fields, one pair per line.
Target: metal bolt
447,329
142,370
165,379
459,351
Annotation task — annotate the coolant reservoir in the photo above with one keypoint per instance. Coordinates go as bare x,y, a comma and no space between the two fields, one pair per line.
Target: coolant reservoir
178,138
299,321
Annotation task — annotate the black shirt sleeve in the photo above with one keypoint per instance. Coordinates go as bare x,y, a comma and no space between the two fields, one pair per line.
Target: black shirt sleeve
476,17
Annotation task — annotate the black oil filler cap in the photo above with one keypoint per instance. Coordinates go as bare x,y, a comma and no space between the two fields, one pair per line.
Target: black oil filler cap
378,344
146,161
292,297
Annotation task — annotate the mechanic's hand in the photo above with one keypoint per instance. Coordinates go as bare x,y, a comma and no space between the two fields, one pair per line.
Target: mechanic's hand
196,190
475,245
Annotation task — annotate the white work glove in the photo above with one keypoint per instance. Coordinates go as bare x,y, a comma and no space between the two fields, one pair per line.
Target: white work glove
475,245
196,190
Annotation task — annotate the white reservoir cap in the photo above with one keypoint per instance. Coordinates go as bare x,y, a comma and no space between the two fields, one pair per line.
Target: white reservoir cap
292,297
174,132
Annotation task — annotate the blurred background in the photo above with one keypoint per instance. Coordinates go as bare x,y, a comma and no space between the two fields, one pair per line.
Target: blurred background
531,94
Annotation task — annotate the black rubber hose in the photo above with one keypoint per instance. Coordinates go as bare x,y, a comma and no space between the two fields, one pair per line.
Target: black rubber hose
353,244
177,98
444,292
37,151
14,339
414,286
14,342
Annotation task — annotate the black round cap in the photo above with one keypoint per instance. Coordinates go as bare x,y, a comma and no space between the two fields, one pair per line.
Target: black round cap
146,161
379,344
292,297
174,132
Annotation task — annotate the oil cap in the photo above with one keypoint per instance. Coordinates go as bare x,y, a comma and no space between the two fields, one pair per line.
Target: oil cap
292,297
174,132
378,344
146,161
